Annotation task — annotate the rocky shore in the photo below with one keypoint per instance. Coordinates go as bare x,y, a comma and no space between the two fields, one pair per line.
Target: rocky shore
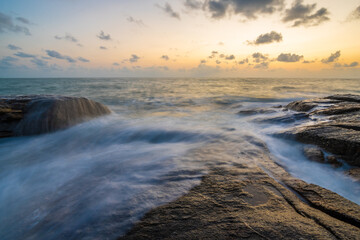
36,114
256,198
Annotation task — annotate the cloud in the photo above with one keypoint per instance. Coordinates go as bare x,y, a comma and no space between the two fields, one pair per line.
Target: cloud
7,62
136,21
333,57
243,61
354,15
230,57
221,43
193,4
267,38
104,36
353,64
263,65
305,15
213,54
134,58
24,55
217,62
116,64
306,61
103,48
7,24
169,11
165,57
81,59
67,37
55,54
23,20
203,62
288,57
39,62
13,47
249,9
258,57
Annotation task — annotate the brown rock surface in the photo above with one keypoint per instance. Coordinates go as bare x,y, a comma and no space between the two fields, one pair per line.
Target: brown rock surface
239,200
338,130
28,115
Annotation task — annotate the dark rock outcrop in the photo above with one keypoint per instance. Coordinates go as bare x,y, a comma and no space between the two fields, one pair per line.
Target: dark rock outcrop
338,128
314,154
29,115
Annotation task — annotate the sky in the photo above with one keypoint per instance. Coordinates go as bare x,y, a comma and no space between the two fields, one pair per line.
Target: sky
180,38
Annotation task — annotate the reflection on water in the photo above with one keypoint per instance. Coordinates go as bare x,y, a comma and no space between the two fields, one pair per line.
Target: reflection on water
94,180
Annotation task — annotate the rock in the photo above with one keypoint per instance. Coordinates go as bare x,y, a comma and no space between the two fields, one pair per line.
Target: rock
254,111
339,131
29,115
333,161
354,173
314,154
301,106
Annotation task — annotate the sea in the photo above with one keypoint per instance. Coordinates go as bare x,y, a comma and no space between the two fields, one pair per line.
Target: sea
98,178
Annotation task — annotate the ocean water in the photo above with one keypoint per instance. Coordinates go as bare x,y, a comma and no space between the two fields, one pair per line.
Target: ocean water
96,179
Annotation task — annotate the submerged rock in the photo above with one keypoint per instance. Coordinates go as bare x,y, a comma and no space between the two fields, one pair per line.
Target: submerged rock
29,115
314,154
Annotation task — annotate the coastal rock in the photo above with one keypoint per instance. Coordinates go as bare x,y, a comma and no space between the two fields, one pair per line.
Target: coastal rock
338,131
314,154
36,114
354,173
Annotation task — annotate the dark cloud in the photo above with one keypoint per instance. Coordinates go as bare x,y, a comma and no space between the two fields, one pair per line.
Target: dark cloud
218,62
103,48
288,57
259,57
136,21
7,24
305,14
116,64
13,47
23,20
333,57
249,9
213,54
104,36
244,61
39,62
67,37
306,61
263,65
134,58
267,38
165,57
7,62
353,64
354,15
230,57
203,62
55,54
193,4
222,55
24,55
169,11
81,59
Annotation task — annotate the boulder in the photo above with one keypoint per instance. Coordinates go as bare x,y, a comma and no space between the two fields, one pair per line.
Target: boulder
314,154
36,114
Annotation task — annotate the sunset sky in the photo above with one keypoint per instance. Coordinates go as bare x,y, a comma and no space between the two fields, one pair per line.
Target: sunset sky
179,38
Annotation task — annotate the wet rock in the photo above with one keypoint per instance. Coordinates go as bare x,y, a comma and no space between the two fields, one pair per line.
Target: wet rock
314,154
254,111
29,115
301,106
247,203
334,161
354,173
339,132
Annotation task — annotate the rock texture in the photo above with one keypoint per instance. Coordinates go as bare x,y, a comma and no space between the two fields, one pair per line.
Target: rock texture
29,115
239,200
337,129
